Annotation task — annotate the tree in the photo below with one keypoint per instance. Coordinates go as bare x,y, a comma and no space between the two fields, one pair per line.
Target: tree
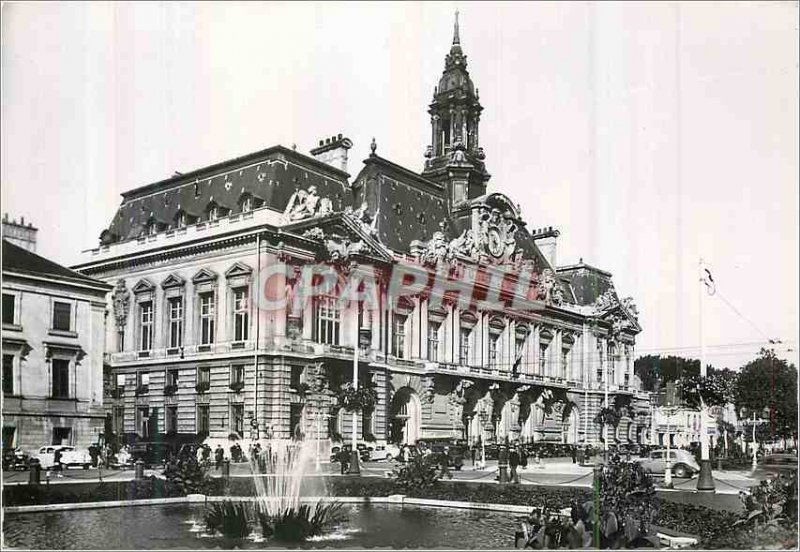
655,371
769,382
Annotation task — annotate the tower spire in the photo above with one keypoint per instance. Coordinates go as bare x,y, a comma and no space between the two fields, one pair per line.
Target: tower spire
456,40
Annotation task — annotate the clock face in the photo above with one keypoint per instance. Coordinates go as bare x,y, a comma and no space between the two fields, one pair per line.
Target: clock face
495,243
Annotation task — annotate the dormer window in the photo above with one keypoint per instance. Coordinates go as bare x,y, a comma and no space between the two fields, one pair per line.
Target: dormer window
246,203
180,220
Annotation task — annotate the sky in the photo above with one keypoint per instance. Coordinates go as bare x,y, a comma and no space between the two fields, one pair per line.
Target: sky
650,134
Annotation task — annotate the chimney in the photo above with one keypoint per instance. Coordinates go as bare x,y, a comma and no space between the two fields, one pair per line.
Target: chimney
19,233
333,151
546,240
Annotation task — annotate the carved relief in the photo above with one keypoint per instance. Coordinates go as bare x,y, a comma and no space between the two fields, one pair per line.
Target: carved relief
549,290
306,204
428,392
121,300
606,301
630,307
367,221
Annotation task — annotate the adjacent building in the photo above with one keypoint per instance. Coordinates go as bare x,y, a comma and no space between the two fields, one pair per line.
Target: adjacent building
53,341
199,340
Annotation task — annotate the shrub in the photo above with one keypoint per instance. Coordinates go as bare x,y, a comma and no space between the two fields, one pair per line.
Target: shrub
771,501
421,472
187,476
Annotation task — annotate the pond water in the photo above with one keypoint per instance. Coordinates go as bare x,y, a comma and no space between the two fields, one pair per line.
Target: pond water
175,527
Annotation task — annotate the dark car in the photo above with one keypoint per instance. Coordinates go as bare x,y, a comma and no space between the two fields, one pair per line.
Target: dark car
152,453
15,459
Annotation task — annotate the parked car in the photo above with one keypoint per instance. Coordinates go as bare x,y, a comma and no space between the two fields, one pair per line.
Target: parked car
70,456
683,462
388,452
457,450
364,452
15,459
777,463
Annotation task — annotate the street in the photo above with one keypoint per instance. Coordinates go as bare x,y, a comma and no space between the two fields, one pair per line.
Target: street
551,472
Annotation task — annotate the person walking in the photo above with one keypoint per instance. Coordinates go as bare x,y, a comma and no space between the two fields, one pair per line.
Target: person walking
219,456
513,462
473,450
523,457
574,454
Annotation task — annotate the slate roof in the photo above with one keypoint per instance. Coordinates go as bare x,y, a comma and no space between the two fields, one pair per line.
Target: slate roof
271,176
409,207
588,282
21,261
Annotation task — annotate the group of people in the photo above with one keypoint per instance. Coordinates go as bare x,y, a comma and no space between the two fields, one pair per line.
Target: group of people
533,533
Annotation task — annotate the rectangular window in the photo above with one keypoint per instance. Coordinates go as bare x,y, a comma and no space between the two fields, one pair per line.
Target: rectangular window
61,316
204,374
493,340
120,381
564,363
175,322
237,373
143,421
172,419
119,420
543,359
294,382
433,341
120,340
62,435
399,336
328,320
464,346
202,418
8,374
146,326
237,418
172,377
60,369
143,382
207,318
8,308
240,314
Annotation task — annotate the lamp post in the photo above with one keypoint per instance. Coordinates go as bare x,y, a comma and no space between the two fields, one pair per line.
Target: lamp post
354,468
483,417
668,471
705,481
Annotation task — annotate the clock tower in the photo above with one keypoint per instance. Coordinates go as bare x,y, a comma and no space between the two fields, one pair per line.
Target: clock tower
455,158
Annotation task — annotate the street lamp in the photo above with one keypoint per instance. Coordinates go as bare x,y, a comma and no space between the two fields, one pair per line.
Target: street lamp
483,417
705,481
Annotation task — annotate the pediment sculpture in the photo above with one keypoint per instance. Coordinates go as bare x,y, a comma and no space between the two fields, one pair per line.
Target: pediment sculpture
606,301
341,248
369,222
306,204
630,307
121,299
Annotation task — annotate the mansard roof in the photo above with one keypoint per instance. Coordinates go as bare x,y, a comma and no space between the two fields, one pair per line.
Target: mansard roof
271,175
408,206
587,282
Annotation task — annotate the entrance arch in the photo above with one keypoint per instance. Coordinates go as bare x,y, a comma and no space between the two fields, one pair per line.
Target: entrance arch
405,417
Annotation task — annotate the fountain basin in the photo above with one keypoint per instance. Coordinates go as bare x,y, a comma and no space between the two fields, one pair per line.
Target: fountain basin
178,526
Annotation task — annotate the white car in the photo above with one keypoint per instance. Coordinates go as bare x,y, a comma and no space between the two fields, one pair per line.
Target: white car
388,452
70,456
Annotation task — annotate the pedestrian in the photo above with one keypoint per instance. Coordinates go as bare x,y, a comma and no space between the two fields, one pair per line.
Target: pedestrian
523,457
219,456
532,534
344,460
473,451
574,454
513,462
580,455
57,459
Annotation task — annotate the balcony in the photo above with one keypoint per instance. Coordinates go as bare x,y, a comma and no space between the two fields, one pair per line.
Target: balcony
143,389
170,389
236,386
202,386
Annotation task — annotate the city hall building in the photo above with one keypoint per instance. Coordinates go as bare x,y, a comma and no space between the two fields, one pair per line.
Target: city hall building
194,346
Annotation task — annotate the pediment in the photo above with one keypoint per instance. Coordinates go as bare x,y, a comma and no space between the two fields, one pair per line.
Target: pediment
340,236
173,281
204,275
143,286
238,269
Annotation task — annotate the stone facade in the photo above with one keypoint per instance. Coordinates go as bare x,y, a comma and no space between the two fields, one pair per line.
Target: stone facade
222,244
52,363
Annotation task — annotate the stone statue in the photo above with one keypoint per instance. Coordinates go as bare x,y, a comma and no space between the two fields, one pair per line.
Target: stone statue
306,204
340,250
606,301
628,304
547,286
368,222
463,245
435,250
121,299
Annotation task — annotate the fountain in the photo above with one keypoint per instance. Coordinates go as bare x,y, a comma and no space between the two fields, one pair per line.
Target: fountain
282,510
